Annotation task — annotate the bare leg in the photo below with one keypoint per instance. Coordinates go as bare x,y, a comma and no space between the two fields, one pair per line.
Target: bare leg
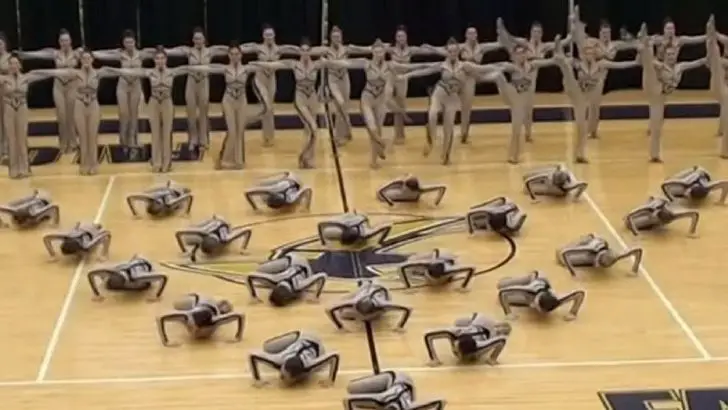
167,118
231,153
63,116
306,106
580,123
467,96
93,119
266,83
400,88
79,113
528,109
448,128
155,125
595,104
3,134
135,98
436,105
193,138
122,99
202,94
724,124
21,139
368,105
14,143
340,91
657,117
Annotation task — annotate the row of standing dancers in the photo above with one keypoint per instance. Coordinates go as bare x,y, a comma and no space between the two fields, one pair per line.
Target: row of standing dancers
75,88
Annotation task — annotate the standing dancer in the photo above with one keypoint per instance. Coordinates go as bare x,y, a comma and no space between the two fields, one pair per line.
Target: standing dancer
338,81
4,69
377,94
401,52
128,89
661,79
234,106
581,87
523,72
265,80
447,93
63,90
197,88
86,111
536,48
719,82
14,87
470,51
305,100
160,106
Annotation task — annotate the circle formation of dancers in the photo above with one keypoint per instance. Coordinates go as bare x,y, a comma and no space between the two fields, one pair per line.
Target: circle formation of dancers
77,81
298,355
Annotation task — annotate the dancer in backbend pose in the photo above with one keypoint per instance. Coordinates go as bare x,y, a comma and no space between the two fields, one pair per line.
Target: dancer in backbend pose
338,81
197,89
63,89
160,106
128,89
86,111
661,79
377,93
14,87
536,49
305,100
516,94
446,95
582,86
234,106
4,67
265,80
401,52
471,51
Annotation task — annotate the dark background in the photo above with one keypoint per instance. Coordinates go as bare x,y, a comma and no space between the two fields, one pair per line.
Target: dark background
170,22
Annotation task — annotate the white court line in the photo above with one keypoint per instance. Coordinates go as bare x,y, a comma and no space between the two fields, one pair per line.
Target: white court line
356,372
66,307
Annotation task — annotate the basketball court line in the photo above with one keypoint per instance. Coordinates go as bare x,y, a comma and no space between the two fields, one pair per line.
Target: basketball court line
356,372
66,306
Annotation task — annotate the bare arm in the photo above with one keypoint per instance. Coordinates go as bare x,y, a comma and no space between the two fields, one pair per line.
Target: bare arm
180,51
43,54
108,55
127,72
431,337
274,65
507,39
480,69
690,65
358,50
618,65
40,75
432,50
543,62
355,63
692,39
207,69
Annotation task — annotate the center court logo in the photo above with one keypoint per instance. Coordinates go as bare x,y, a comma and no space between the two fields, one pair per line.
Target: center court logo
410,234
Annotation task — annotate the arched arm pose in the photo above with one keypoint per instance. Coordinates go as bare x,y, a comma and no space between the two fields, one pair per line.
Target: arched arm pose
534,292
63,88
289,279
129,89
351,229
408,189
136,275
30,211
80,241
201,317
197,88
386,390
446,95
554,180
581,78
436,269
306,99
265,79
471,338
661,78
658,213
535,49
369,302
592,251
162,201
235,107
693,184
516,93
499,214
297,356
280,192
15,85
160,106
212,237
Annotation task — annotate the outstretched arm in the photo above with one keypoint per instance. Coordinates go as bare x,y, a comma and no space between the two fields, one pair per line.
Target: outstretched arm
577,298
690,65
431,337
422,72
42,54
355,63
258,358
162,325
273,65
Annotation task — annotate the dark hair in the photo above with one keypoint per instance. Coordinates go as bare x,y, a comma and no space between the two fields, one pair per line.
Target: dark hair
3,37
234,45
281,295
63,31
667,20
548,302
605,24
294,366
198,30
401,27
536,24
466,344
335,28
128,34
267,26
451,41
305,41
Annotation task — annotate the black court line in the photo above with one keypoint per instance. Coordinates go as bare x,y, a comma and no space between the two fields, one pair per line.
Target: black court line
373,356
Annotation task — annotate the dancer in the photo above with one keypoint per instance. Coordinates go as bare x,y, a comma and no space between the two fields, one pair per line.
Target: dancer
390,390
657,213
265,80
212,237
471,51
719,81
515,93
376,97
289,278
535,49
86,112
197,88
554,181
31,211
582,86
305,100
14,87
471,338
201,317
160,106
436,269
63,89
534,291
669,41
409,189
280,192
4,70
693,184
592,251
80,241
499,214
338,81
129,89
163,200
401,52
134,276
661,79
368,303
234,106
350,229
447,94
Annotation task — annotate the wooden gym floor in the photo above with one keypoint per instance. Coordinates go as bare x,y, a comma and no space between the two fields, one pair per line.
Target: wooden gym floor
664,329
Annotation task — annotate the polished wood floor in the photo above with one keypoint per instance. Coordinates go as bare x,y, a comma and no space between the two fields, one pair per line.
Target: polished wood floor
664,329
